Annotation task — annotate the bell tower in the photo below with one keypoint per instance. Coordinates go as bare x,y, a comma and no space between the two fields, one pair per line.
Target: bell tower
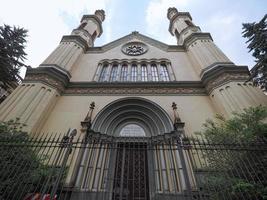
90,27
225,83
32,101
199,45
181,25
73,45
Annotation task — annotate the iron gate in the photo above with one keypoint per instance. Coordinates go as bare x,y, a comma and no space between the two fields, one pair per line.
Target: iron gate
110,168
131,172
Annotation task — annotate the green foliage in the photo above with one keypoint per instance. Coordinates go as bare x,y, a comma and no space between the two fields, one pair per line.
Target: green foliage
22,168
12,55
233,168
246,126
257,40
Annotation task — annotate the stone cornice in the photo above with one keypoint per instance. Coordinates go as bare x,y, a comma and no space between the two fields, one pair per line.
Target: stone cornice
49,76
76,39
222,74
131,88
195,36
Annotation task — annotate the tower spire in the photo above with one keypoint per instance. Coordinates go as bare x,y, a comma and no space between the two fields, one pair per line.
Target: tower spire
181,25
90,27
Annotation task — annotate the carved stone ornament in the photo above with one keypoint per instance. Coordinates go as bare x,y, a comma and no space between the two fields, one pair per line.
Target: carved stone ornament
134,48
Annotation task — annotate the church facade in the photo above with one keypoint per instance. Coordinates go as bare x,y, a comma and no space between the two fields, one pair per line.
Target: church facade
136,87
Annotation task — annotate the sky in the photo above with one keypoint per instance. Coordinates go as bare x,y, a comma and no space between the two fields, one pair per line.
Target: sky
47,21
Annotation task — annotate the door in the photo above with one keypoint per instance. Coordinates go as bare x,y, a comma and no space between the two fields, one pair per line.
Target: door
131,172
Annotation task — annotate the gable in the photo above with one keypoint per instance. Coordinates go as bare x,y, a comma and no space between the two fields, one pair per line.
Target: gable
135,36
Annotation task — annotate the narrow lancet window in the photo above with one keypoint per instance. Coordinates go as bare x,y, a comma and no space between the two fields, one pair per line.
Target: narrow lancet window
113,75
124,71
164,72
154,72
144,73
134,73
103,73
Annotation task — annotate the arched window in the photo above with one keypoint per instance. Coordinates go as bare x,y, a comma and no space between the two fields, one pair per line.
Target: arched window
164,72
103,73
144,72
134,72
113,75
124,70
132,130
154,72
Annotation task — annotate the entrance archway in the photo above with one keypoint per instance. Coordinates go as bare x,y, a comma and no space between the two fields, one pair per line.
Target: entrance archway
139,111
132,152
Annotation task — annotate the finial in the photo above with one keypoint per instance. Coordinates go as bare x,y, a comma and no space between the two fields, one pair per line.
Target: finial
171,12
86,123
177,124
100,14
175,113
135,32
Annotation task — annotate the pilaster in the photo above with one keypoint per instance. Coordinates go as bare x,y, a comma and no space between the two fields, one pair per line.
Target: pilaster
33,100
229,89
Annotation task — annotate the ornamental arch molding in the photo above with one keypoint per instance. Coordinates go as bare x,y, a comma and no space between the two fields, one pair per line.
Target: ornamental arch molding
139,111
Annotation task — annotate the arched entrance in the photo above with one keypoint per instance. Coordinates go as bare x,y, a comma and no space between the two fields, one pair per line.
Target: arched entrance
132,153
139,111
132,118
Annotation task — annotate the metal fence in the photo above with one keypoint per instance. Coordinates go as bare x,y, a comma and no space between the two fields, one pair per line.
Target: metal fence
130,168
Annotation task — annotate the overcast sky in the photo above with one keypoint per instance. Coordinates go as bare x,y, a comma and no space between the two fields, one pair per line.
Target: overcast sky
48,20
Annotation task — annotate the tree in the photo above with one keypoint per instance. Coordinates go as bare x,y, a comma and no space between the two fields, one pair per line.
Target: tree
236,155
257,40
247,126
25,170
12,54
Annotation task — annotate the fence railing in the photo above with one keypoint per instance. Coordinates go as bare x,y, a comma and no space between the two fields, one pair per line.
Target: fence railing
105,167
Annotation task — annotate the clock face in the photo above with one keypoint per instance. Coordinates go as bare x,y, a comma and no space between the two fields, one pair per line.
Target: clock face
134,48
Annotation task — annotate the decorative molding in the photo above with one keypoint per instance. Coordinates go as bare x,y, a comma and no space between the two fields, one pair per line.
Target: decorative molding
221,75
214,65
142,88
196,36
134,60
135,35
49,76
76,39
56,67
134,48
